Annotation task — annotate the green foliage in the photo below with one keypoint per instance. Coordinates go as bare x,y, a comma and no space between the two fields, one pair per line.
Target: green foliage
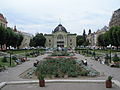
4,59
10,38
60,53
38,40
107,57
79,40
116,58
40,76
109,78
59,67
110,37
93,53
14,57
7,63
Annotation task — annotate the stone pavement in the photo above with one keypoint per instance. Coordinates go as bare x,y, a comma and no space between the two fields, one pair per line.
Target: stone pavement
103,69
12,74
61,86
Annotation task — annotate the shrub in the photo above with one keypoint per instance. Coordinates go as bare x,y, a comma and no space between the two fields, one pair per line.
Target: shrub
93,54
59,67
4,59
116,58
109,78
14,57
107,57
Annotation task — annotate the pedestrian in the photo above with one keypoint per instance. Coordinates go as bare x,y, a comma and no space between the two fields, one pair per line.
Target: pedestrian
85,62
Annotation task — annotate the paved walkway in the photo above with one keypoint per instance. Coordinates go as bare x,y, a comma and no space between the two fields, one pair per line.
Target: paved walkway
103,69
61,86
12,74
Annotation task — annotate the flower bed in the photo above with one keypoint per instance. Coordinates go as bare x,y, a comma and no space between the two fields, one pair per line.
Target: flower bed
61,67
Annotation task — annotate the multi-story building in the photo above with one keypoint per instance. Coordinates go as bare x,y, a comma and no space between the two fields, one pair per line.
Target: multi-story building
93,36
3,21
115,20
60,38
26,38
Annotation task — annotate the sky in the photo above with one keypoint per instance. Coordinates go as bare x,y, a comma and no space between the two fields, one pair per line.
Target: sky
33,16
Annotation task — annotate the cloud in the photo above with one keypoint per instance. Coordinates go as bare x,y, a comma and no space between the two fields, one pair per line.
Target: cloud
43,15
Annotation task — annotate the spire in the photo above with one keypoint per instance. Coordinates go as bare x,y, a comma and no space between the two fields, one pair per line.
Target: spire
15,28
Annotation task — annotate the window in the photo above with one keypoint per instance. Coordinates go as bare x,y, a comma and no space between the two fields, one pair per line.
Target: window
70,40
60,36
49,40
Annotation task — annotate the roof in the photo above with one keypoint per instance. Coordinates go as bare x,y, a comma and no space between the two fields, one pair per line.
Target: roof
48,35
2,18
60,28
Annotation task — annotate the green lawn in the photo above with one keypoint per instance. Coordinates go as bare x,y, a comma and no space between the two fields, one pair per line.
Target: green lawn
7,63
100,51
22,51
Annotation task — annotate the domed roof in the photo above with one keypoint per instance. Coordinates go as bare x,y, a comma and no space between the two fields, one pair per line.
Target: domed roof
60,28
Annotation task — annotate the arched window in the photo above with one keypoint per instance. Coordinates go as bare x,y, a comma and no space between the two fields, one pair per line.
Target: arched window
60,36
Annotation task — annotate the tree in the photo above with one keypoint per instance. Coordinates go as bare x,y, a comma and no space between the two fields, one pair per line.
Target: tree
89,32
32,43
79,40
114,36
19,39
110,37
9,38
38,40
84,35
2,36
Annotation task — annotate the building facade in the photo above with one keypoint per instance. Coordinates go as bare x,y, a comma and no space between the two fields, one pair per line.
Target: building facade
3,21
115,20
60,38
26,38
92,38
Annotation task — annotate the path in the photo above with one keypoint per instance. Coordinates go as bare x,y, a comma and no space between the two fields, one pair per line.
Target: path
11,74
103,69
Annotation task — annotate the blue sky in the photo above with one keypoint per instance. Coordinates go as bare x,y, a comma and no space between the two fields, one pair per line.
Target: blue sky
43,16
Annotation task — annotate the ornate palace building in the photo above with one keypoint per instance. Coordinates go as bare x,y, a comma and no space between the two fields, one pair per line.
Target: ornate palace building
60,38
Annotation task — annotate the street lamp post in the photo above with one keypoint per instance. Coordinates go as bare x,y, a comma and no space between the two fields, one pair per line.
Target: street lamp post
26,54
110,52
94,52
11,57
10,60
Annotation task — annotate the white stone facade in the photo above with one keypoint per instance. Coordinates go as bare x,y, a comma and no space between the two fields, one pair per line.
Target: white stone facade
60,38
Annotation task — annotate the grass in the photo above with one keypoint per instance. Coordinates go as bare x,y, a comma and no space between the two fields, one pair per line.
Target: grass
22,51
8,62
98,52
